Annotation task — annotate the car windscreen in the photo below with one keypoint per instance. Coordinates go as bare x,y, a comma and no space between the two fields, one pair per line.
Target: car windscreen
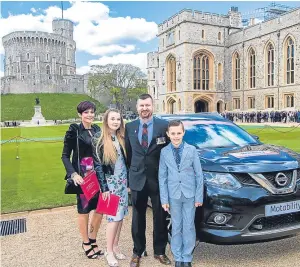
210,134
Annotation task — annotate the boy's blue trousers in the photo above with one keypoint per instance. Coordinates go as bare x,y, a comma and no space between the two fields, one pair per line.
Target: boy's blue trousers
183,228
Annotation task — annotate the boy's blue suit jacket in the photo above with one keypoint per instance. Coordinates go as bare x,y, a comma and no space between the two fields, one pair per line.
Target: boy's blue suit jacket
188,179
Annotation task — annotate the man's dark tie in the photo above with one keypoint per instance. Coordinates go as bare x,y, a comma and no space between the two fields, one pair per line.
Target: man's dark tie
145,137
177,157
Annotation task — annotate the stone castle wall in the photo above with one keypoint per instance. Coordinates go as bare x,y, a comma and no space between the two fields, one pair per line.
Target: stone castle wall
220,37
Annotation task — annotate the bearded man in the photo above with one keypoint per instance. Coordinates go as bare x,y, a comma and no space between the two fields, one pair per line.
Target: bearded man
144,139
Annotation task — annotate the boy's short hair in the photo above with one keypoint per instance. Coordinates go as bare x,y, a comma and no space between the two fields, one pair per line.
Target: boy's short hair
175,123
85,105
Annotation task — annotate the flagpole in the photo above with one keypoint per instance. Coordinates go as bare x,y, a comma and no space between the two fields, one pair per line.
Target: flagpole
62,10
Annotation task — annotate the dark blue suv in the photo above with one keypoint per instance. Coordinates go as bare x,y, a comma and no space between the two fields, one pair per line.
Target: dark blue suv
252,190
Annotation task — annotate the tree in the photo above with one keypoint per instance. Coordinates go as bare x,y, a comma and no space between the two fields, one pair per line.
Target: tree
118,81
140,88
93,85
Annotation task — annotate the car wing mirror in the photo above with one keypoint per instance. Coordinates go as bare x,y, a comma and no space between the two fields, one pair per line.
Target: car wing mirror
255,137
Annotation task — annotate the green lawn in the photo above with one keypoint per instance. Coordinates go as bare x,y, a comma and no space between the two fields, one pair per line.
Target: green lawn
288,137
54,106
36,180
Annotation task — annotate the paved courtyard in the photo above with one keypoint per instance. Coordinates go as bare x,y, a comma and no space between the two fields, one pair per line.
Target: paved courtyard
52,239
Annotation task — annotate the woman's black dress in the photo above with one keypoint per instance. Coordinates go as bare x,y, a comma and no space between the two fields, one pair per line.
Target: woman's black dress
85,150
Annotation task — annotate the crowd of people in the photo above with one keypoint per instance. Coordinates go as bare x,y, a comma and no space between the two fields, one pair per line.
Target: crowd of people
136,157
10,124
263,116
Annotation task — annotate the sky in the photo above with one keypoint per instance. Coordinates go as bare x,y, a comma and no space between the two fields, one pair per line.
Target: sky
109,31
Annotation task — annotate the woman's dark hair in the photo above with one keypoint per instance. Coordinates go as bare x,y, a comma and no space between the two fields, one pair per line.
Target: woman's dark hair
85,105
175,123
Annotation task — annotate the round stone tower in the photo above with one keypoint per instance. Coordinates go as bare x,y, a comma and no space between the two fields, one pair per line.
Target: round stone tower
41,61
63,27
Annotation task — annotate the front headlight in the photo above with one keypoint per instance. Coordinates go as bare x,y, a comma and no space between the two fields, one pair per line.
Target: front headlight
222,180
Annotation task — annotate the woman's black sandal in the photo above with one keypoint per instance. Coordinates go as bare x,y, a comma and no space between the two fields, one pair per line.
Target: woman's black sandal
94,245
87,252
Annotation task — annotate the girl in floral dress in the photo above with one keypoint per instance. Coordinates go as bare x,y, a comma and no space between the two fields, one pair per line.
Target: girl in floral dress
110,165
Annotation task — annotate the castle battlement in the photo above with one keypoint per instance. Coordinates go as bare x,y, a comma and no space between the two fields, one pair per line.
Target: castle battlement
152,54
289,19
152,59
190,15
35,36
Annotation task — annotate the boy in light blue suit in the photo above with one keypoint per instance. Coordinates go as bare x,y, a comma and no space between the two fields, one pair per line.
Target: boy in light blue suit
181,191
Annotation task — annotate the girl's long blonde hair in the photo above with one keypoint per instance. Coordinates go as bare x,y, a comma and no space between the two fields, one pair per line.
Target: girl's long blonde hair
105,142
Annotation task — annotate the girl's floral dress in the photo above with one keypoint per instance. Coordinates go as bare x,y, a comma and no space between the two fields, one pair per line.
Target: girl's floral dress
117,184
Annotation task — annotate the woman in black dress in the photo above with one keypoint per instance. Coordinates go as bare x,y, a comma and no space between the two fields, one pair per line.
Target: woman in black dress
85,130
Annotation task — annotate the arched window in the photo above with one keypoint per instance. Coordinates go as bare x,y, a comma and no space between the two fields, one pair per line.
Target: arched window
171,106
28,68
236,61
220,72
164,106
68,54
171,70
202,34
270,64
290,61
219,36
48,70
252,62
154,92
153,75
28,55
47,57
201,72
60,71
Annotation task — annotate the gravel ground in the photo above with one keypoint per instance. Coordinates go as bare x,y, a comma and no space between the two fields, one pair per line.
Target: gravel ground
52,239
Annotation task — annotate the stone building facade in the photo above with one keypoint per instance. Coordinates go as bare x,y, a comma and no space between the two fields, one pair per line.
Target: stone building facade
41,62
210,62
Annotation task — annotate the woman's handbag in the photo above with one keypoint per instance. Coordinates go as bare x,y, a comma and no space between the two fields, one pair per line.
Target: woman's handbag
70,187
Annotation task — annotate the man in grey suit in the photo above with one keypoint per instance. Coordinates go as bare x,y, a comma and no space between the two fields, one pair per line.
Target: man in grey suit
144,139
181,190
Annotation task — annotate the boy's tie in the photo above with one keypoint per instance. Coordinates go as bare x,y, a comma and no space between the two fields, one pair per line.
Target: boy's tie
177,157
145,137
